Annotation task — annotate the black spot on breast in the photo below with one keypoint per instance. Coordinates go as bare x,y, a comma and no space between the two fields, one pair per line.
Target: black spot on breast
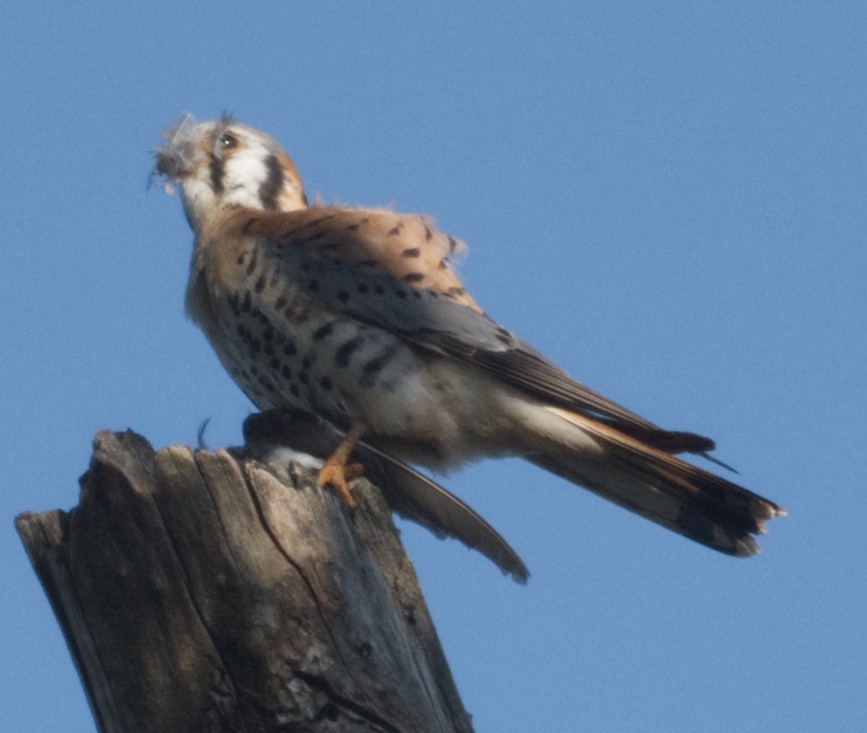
280,302
247,303
343,296
294,390
346,349
413,277
286,372
303,377
362,288
253,260
323,331
313,285
379,289
411,252
400,293
260,284
267,335
326,383
289,348
378,363
241,258
394,231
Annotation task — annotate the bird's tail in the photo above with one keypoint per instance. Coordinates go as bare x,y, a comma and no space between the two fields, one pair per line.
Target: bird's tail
651,482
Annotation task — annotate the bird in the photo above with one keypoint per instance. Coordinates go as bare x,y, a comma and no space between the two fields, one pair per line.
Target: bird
357,315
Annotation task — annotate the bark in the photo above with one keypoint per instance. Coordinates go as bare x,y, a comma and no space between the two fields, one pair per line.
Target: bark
201,592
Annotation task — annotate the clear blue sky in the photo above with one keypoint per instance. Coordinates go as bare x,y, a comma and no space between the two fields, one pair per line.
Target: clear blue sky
668,199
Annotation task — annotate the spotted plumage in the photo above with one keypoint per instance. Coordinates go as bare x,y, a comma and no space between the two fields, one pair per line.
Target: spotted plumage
357,316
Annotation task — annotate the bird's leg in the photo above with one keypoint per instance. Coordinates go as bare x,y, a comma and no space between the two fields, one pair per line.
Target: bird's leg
335,472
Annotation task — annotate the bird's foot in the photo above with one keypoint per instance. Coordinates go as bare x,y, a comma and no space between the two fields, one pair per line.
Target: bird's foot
336,476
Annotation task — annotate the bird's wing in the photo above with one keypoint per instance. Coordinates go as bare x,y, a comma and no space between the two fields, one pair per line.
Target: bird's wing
393,271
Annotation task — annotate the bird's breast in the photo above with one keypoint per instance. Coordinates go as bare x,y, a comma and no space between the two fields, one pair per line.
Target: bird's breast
287,349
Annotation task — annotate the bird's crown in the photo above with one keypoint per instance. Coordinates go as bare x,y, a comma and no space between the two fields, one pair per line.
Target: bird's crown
223,164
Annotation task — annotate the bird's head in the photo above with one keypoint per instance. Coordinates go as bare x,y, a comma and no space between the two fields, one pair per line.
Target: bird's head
222,165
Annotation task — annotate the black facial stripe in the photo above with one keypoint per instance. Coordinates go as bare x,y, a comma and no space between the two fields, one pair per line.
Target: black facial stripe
217,168
270,187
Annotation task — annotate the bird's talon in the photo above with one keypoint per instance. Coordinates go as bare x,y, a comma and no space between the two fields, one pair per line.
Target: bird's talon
334,477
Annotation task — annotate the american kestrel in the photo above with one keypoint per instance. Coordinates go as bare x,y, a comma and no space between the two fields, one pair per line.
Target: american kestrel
356,315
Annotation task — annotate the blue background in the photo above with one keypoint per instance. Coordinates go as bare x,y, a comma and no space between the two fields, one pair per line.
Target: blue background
668,199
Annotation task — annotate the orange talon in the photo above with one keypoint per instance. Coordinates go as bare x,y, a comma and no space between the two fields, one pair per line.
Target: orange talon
334,477
335,472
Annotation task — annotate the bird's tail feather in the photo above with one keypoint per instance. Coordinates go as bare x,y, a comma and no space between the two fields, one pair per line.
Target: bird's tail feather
406,491
416,497
656,485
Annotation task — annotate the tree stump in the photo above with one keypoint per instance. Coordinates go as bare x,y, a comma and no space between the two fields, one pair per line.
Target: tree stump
200,592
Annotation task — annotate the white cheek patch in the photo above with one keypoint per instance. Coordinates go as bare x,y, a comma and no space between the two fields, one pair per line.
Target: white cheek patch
245,172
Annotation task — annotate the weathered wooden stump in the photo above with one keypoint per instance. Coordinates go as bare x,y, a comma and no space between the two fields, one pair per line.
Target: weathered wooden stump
200,592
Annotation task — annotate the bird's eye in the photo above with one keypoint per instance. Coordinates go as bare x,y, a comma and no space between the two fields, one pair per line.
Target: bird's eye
227,141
